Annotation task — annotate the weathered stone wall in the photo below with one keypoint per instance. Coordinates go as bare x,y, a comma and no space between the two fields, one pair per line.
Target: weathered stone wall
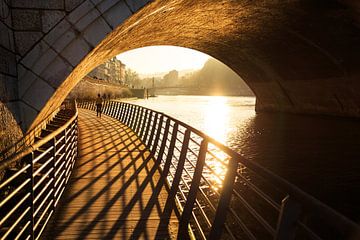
88,88
10,131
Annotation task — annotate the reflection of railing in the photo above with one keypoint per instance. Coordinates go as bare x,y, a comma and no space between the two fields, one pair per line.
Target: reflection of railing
221,194
30,190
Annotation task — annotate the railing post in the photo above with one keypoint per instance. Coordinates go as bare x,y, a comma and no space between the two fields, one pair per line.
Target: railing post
158,132
141,113
170,151
195,183
121,112
151,137
289,214
180,165
136,115
117,109
143,124
131,116
30,175
126,120
53,173
164,140
112,109
224,201
148,126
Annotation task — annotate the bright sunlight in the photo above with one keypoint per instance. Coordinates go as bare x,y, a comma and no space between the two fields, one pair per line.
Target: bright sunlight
156,59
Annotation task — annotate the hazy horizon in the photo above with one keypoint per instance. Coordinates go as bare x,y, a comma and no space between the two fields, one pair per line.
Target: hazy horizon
155,60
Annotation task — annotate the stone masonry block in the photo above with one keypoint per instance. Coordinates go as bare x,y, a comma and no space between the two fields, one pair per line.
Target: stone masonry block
8,88
76,51
97,31
71,4
116,14
60,36
43,4
137,4
80,11
38,94
56,72
6,37
50,18
104,5
25,40
7,62
27,115
25,19
87,19
39,57
25,79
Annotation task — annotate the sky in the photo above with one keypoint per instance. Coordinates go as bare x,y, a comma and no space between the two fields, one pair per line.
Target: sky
156,59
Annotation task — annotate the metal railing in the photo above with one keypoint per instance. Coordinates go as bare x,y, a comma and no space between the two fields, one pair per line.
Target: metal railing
31,134
30,192
218,192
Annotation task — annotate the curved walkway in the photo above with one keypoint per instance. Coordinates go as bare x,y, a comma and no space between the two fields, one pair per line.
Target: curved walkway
116,191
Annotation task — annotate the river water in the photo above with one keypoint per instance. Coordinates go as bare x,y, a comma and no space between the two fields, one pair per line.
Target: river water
321,155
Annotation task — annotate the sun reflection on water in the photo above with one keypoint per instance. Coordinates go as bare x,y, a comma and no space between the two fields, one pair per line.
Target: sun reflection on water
216,121
216,118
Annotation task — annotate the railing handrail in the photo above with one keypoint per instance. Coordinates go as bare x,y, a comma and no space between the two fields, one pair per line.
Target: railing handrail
308,202
37,144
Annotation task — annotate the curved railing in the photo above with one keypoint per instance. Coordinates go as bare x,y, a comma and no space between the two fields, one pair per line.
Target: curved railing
29,137
30,190
219,193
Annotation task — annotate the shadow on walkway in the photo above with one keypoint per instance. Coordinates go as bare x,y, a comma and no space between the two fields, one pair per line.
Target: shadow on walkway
116,191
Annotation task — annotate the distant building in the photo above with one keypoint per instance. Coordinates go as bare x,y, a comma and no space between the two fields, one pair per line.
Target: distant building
113,71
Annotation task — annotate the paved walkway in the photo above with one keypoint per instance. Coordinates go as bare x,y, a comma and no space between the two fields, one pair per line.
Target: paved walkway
115,191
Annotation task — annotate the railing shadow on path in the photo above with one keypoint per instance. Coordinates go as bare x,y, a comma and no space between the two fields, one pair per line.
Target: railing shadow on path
129,191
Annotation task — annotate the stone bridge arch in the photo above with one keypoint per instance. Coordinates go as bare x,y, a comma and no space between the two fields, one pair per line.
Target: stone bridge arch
297,56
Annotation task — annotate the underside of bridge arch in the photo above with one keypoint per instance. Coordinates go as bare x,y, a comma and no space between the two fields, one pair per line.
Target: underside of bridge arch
297,56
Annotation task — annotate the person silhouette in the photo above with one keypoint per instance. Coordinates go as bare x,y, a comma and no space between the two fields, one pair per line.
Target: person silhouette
98,106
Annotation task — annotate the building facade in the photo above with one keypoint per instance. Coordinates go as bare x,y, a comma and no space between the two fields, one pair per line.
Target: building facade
112,71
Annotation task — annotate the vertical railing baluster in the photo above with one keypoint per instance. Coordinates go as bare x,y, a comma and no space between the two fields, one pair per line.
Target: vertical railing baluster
195,183
30,175
170,152
164,140
158,133
224,201
137,129
119,116
180,165
136,113
127,111
143,123
53,173
151,137
131,116
146,133
123,112
112,109
289,214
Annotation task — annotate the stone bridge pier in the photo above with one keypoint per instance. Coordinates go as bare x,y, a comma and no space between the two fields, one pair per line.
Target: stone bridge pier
298,56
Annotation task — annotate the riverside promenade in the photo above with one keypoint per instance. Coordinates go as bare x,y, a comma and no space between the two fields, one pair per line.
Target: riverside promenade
116,191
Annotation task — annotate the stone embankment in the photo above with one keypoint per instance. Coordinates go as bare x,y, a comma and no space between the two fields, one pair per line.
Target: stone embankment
89,88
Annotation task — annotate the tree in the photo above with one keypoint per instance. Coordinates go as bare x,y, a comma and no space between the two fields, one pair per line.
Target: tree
132,78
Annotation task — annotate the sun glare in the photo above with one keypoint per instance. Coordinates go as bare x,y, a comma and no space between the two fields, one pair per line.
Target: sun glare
216,118
156,59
